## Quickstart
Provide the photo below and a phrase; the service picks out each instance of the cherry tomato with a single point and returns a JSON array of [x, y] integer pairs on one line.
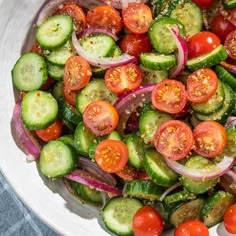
[[105, 16], [77, 73], [128, 173], [230, 219], [51, 132], [203, 3], [210, 138], [147, 221], [70, 95], [221, 26], [137, 17], [230, 44], [135, 44], [202, 43], [192, 228], [76, 13], [201, 85], [123, 78], [111, 155], [169, 96], [173, 139], [100, 117], [37, 49]]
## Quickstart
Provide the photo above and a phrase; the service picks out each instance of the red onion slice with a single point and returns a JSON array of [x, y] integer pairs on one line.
[[51, 7], [228, 181], [23, 138], [182, 53], [129, 102], [231, 122], [92, 30], [230, 67], [86, 164], [101, 61], [119, 4], [84, 177], [169, 190], [202, 174]]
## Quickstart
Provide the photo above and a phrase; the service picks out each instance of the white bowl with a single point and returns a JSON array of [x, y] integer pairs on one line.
[[48, 200]]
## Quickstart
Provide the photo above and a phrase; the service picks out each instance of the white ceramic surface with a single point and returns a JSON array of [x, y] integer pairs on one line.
[[52, 204]]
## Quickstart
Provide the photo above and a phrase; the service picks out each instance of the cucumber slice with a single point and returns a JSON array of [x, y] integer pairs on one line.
[[54, 32], [67, 139], [198, 186], [136, 151], [144, 189], [230, 148], [194, 120], [158, 170], [156, 61], [179, 196], [93, 91], [30, 72], [229, 3], [186, 211], [38, 109], [210, 59], [99, 45], [118, 214], [54, 71], [221, 114], [161, 37], [57, 159], [83, 139], [57, 90], [212, 104], [185, 13], [60, 55], [215, 206], [225, 76]]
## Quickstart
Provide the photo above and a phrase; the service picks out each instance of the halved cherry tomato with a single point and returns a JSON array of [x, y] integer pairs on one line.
[[77, 73], [111, 155], [37, 49], [174, 139], [201, 85], [169, 96], [203, 3], [51, 132], [105, 16], [100, 117], [123, 78], [76, 13], [221, 26], [230, 219], [210, 138], [135, 44], [192, 228], [128, 173], [230, 44], [202, 43], [137, 18], [147, 221], [70, 95]]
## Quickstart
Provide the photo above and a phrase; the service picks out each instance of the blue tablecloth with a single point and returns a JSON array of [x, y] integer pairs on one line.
[[15, 218]]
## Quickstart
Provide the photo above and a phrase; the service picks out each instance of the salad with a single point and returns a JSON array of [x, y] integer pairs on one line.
[[132, 104]]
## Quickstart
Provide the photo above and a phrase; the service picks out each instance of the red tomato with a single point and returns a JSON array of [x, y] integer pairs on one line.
[[203, 3], [192, 228], [77, 73], [202, 43], [230, 219], [221, 26], [105, 16], [210, 138], [137, 17], [48, 84], [100, 117], [230, 44], [169, 96], [123, 78], [37, 49], [147, 221], [173, 139], [201, 85], [70, 95], [135, 44], [52, 132], [111, 155], [128, 173], [76, 13]]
